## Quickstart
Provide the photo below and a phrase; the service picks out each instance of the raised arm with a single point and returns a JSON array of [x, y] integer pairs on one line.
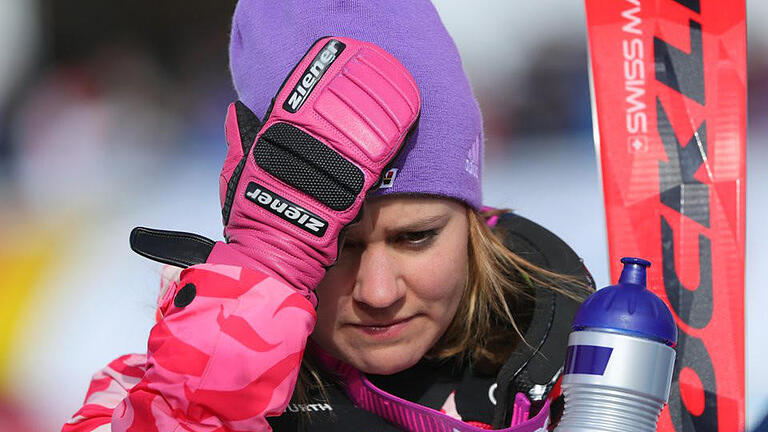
[[226, 352]]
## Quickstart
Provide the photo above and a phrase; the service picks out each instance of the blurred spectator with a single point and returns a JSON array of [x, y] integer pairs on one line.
[[14, 417], [556, 95], [126, 84]]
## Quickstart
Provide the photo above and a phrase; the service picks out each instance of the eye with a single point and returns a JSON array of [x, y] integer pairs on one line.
[[418, 238]]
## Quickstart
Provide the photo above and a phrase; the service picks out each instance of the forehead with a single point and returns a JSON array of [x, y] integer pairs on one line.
[[401, 212]]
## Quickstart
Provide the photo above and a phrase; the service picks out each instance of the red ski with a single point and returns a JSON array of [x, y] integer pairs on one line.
[[669, 104]]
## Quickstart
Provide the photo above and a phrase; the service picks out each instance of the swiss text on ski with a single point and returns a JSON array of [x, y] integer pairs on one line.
[[634, 70]]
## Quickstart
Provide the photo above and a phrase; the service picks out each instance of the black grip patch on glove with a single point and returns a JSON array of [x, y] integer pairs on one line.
[[249, 125], [305, 163], [180, 249]]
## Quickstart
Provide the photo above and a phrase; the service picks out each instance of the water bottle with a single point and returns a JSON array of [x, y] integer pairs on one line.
[[620, 357]]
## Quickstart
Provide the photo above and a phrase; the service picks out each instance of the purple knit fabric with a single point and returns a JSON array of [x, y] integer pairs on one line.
[[443, 157]]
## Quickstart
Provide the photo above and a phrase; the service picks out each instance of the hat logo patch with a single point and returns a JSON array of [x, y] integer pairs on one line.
[[388, 179], [472, 162]]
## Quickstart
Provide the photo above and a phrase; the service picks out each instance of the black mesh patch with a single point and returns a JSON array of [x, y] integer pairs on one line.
[[310, 166], [248, 124]]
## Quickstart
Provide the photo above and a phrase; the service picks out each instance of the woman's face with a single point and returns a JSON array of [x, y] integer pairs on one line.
[[397, 283]]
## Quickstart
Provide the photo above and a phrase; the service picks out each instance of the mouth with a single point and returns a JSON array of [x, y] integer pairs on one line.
[[383, 330]]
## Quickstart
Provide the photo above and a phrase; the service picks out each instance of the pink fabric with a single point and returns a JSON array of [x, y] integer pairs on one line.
[[224, 362], [362, 107], [229, 359], [108, 388], [522, 409], [493, 220]]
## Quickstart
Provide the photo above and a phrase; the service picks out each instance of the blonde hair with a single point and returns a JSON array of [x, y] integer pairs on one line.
[[484, 329]]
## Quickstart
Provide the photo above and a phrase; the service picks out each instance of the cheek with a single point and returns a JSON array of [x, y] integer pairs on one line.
[[334, 297], [438, 276], [331, 296]]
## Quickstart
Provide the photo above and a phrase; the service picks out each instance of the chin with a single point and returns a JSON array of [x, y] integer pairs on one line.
[[385, 361]]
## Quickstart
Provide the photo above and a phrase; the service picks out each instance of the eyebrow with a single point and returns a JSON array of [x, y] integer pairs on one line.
[[420, 225]]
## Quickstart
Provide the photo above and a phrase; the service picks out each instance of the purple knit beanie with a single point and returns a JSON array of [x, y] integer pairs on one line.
[[443, 157]]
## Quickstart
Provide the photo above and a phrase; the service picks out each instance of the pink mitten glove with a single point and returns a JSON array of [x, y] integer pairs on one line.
[[291, 184]]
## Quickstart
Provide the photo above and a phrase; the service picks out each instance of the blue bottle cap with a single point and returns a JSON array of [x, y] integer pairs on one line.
[[628, 307]]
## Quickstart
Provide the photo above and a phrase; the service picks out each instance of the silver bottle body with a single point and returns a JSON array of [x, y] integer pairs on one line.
[[627, 394]]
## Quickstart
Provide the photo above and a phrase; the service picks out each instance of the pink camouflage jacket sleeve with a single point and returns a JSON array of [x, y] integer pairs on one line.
[[223, 355]]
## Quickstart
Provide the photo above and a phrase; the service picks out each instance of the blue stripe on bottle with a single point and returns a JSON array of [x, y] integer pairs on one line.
[[587, 359]]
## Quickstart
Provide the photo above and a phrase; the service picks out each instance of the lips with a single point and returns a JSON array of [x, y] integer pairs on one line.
[[383, 324], [387, 329]]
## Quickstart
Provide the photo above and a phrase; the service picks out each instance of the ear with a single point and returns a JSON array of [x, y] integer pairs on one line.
[[240, 128]]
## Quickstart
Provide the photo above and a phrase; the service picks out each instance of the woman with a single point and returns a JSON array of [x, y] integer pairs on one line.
[[417, 322]]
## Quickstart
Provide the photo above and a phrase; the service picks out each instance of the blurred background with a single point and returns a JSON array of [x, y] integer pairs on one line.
[[111, 116]]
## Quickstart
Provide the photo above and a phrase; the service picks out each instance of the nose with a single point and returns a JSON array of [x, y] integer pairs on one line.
[[378, 283]]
